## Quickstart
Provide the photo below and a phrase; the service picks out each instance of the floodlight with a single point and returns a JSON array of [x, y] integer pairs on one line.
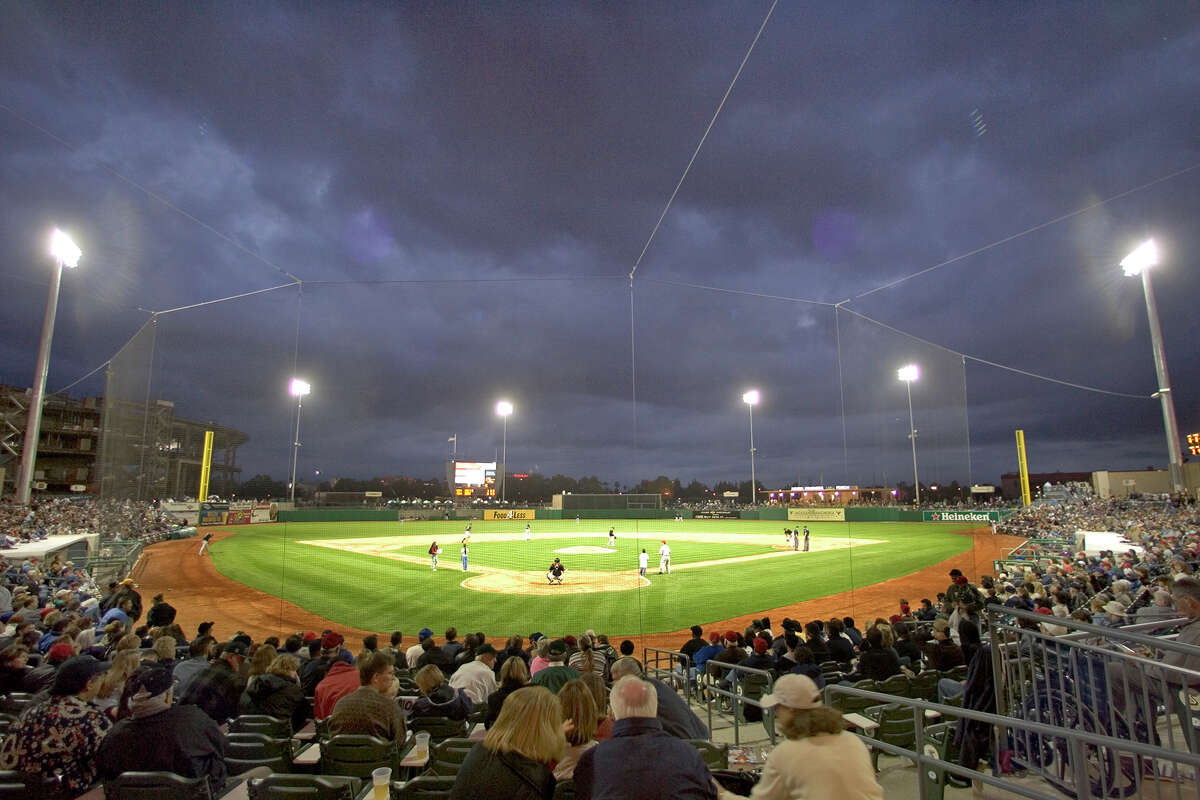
[[63, 249], [909, 373], [1144, 257], [299, 388], [751, 397], [504, 408]]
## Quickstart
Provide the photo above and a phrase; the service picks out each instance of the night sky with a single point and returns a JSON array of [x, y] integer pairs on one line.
[[462, 191]]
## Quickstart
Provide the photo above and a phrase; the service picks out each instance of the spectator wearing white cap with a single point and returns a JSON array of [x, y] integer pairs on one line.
[[819, 759]]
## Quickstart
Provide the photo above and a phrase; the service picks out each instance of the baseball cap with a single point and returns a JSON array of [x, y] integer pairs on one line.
[[760, 644], [237, 647], [424, 634], [60, 652], [714, 637], [954, 573], [309, 636], [731, 636], [73, 676], [153, 681], [1114, 607], [558, 647], [793, 691], [331, 641]]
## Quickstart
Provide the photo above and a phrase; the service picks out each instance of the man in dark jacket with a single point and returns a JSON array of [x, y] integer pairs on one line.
[[160, 737], [641, 759], [218, 689], [161, 613]]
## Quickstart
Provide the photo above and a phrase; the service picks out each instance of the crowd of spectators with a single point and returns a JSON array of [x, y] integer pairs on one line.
[[119, 685], [119, 520]]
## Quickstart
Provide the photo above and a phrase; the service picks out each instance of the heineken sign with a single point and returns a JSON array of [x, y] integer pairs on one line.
[[960, 516]]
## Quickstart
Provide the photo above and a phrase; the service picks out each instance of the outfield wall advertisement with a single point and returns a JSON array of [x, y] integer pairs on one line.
[[817, 514], [512, 513], [960, 516]]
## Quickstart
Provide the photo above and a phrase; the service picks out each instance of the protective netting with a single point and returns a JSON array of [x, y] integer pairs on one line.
[[832, 413]]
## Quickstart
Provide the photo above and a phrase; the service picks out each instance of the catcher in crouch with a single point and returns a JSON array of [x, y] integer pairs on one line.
[[555, 573]]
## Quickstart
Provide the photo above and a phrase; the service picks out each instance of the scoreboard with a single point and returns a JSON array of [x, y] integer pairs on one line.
[[474, 478], [1193, 440]]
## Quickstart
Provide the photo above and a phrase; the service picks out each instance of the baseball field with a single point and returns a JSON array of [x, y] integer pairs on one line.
[[379, 576]]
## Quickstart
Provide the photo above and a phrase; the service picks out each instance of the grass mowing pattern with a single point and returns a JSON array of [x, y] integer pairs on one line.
[[382, 594]]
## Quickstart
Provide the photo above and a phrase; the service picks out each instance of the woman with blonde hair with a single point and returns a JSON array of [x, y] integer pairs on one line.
[[163, 655], [438, 698], [264, 654], [579, 709], [819, 759], [124, 664], [277, 693], [542, 660], [514, 758]]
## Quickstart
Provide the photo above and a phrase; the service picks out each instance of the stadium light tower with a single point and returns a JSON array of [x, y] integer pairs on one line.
[[1136, 263], [908, 374], [504, 408], [297, 388], [66, 254], [751, 399]]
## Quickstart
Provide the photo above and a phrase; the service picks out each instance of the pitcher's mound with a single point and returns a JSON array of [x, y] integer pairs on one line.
[[574, 582]]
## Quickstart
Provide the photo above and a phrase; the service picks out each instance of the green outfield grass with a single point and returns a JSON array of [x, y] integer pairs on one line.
[[384, 594]]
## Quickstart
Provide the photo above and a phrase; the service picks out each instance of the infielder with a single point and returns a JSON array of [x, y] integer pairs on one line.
[[433, 554], [612, 538], [643, 560], [528, 533], [664, 558]]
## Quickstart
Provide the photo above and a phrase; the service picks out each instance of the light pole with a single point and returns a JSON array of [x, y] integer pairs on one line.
[[504, 408], [297, 388], [1138, 263], [908, 374], [751, 399], [66, 254]]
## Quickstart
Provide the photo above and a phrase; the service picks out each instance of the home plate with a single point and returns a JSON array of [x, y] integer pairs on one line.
[[583, 549]]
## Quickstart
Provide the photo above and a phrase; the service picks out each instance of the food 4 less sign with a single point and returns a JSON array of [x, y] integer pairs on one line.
[[960, 516]]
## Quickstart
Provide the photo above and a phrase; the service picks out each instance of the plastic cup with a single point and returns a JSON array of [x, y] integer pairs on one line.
[[380, 779], [423, 742]]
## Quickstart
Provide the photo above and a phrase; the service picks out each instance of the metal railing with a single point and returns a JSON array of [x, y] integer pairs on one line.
[[1074, 762], [715, 692], [1098, 680], [671, 667]]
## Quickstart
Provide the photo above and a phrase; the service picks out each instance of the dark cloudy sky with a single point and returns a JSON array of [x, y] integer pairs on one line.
[[463, 190]]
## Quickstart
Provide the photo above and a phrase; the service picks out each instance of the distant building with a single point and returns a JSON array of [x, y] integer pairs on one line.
[[1010, 482], [152, 455]]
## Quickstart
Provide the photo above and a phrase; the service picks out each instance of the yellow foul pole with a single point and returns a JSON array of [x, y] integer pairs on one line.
[[1024, 467]]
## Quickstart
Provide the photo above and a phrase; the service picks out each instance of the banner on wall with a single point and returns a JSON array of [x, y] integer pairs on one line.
[[263, 512], [238, 517], [817, 514], [718, 514], [213, 513], [960, 516], [512, 513]]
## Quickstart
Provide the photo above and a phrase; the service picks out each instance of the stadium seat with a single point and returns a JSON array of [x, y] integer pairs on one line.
[[716, 756], [853, 705], [447, 756], [439, 728], [18, 786], [358, 756], [245, 751], [432, 787], [273, 727], [14, 702], [304, 787], [156, 786], [924, 685], [897, 685], [897, 726], [940, 739]]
